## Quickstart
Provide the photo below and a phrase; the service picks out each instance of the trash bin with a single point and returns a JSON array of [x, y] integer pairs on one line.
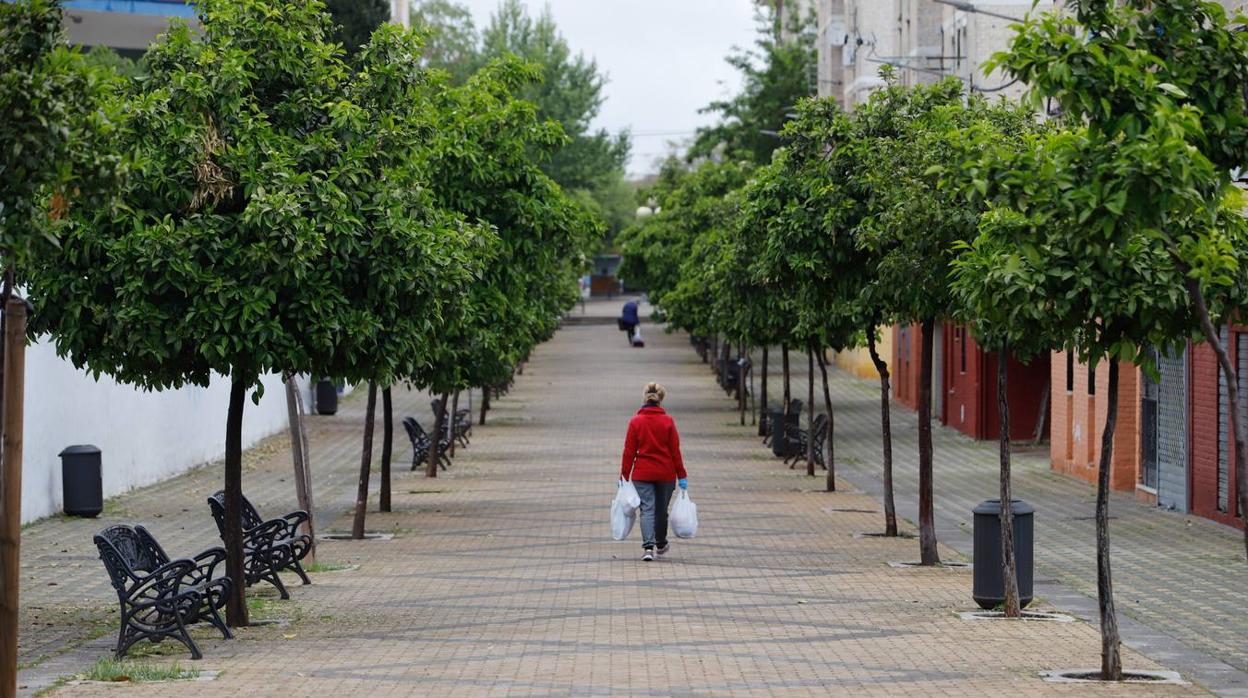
[[326, 397], [989, 585], [779, 444], [81, 481]]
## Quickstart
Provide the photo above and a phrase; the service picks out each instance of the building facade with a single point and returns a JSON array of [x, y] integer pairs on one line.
[[127, 26]]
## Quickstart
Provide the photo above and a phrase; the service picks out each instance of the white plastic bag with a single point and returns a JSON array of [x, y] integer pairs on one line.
[[624, 510], [684, 516]]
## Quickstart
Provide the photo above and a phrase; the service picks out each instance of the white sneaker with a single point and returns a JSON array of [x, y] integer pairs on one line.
[[647, 555], [664, 549]]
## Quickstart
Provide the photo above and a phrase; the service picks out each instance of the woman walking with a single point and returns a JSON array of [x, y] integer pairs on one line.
[[653, 462]]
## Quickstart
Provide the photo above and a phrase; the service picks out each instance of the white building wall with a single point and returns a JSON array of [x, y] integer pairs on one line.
[[144, 436]]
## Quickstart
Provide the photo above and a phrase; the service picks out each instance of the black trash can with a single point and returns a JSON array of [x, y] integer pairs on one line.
[[989, 587], [780, 446], [81, 481], [326, 397]]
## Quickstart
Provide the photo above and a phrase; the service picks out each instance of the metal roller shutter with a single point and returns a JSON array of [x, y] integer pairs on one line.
[[1172, 432]]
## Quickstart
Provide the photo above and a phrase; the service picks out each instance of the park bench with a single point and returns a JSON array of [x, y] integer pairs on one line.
[[799, 440], [421, 443], [269, 546], [160, 597], [795, 408]]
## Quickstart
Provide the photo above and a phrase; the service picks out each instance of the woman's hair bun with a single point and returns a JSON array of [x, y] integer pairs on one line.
[[654, 392]]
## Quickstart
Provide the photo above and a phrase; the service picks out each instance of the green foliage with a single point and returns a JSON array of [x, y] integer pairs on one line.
[[914, 225], [1094, 230], [451, 39], [659, 250], [777, 73], [570, 92], [107, 59], [356, 20], [55, 135], [480, 162], [273, 222]]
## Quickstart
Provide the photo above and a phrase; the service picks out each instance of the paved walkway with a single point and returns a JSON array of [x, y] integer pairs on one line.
[[1181, 577], [502, 578]]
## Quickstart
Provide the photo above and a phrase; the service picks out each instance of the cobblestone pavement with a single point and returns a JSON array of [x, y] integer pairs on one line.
[[501, 578], [1179, 575]]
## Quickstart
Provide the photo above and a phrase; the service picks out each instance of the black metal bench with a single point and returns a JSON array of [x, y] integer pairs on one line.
[[160, 597], [799, 440], [269, 546], [462, 426], [420, 441]]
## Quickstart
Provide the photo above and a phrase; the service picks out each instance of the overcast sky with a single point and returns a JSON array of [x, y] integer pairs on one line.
[[664, 59]]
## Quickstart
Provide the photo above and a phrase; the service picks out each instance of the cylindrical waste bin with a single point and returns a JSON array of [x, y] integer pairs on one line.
[[989, 585], [780, 446], [81, 481], [326, 397]]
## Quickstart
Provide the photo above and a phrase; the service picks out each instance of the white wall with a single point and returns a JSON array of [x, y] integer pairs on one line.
[[144, 436]]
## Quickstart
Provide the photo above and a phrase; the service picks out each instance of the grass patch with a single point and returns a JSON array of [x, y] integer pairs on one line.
[[329, 567], [112, 670]]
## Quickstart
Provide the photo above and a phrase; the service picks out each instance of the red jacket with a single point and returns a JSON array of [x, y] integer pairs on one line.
[[653, 440]]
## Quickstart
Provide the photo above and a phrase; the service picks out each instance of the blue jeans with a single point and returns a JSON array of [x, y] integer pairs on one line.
[[655, 496]]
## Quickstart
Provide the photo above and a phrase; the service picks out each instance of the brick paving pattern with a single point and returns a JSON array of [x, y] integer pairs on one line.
[[502, 578], [1179, 574]]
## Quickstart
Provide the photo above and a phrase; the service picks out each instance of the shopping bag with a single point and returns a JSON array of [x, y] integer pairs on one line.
[[624, 510], [684, 516]]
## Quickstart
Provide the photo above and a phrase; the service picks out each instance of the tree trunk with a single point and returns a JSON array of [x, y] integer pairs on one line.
[[387, 447], [762, 409], [11, 489], [927, 521], [810, 410], [1232, 395], [828, 440], [1111, 659], [236, 608], [485, 403], [450, 424], [784, 353], [886, 431], [366, 464], [300, 462], [741, 382], [310, 505], [436, 438], [1009, 570], [1042, 417]]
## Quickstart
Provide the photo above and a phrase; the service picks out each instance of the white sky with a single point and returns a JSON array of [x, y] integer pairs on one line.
[[664, 59]]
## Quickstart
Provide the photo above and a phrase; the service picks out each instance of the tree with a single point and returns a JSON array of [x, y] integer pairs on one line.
[[451, 38], [777, 73], [386, 133], [569, 91], [1122, 231], [910, 230], [239, 246], [484, 162], [57, 123], [356, 20], [1189, 60]]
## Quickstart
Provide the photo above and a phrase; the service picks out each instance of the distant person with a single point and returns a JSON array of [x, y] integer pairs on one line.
[[653, 462], [629, 321]]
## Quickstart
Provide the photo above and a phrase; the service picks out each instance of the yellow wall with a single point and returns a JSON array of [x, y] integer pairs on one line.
[[858, 361]]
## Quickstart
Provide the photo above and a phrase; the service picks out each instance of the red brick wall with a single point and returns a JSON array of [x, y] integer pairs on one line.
[[970, 399], [1204, 436], [1078, 419]]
